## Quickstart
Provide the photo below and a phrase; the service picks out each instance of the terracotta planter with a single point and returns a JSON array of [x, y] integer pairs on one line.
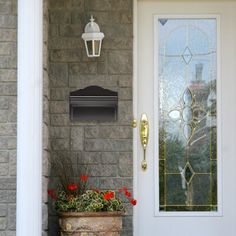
[[90, 223]]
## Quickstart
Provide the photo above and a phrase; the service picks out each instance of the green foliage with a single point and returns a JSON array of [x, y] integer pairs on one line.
[[90, 201]]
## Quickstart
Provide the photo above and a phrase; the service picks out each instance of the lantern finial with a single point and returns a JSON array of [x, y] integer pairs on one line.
[[91, 19]]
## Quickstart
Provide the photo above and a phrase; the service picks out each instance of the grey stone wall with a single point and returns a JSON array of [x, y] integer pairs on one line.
[[105, 147], [46, 120], [8, 89]]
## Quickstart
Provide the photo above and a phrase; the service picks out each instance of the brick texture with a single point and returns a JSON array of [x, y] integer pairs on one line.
[[7, 117], [106, 148], [46, 119]]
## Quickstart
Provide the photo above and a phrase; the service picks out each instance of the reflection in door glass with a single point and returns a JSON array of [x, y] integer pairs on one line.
[[187, 65]]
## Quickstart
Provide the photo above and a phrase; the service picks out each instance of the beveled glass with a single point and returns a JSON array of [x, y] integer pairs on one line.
[[187, 79]]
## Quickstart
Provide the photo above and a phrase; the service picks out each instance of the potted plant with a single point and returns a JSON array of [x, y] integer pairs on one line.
[[85, 211]]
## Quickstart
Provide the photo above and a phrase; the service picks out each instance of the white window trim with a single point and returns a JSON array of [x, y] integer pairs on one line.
[[29, 118]]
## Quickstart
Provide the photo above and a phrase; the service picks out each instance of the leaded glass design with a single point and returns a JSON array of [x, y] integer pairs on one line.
[[187, 114], [187, 55]]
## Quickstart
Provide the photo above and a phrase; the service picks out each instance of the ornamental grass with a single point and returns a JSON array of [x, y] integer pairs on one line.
[[74, 195]]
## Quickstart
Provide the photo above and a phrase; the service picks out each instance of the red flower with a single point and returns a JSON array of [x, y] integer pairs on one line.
[[51, 191], [84, 177], [133, 202], [125, 189], [72, 187], [108, 195], [52, 194], [112, 194], [127, 194]]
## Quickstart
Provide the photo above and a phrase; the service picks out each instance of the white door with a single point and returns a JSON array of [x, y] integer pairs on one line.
[[185, 82]]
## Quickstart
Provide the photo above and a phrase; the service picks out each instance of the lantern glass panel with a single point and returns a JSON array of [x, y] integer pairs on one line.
[[97, 47], [89, 45]]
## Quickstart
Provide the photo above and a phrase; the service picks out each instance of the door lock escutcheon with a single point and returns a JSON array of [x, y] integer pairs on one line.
[[144, 135]]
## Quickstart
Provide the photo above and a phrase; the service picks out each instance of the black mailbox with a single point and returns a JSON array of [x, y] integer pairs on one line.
[[93, 104]]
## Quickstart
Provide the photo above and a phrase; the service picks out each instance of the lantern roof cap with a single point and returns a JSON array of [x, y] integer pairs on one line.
[[92, 26]]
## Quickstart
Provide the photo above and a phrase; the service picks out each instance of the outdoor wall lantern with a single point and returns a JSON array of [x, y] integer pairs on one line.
[[92, 38]]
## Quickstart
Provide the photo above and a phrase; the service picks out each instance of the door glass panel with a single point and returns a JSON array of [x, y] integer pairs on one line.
[[187, 75]]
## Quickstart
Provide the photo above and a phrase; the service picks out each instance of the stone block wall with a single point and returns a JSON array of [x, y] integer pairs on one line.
[[46, 119], [8, 90], [105, 147]]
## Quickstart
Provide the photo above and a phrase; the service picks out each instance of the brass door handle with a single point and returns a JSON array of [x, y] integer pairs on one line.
[[144, 135]]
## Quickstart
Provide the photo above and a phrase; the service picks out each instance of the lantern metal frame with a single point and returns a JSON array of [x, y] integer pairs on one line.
[[92, 38]]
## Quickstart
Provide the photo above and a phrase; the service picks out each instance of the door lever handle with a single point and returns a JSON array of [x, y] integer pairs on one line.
[[144, 135]]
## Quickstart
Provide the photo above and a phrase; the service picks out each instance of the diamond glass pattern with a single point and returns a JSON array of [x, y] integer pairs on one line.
[[187, 66], [188, 173], [187, 55]]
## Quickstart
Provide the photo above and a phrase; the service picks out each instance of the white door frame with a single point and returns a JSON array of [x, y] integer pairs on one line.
[[29, 118]]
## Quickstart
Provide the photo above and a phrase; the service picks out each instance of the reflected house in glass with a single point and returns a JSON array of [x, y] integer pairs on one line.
[[187, 111]]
